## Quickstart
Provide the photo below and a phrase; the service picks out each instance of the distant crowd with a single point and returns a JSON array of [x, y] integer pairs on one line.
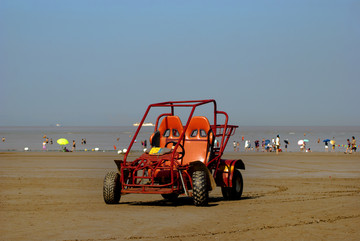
[[266, 145], [274, 145], [64, 149]]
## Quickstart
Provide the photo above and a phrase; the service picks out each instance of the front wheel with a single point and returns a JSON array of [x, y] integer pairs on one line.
[[234, 192], [112, 188], [200, 190]]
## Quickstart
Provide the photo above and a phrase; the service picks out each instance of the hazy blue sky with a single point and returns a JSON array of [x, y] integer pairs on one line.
[[102, 62]]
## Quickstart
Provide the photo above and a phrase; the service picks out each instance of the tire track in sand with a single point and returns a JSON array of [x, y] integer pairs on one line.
[[234, 231]]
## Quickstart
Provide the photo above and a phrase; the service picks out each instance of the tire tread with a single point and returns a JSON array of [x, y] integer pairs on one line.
[[200, 191], [111, 188]]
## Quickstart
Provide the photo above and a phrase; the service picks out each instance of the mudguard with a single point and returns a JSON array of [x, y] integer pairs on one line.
[[118, 164], [200, 166], [226, 170]]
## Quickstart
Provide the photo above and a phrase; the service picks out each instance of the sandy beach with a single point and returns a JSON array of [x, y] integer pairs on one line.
[[291, 196]]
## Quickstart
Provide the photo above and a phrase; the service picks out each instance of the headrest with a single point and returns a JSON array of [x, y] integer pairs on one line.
[[199, 127], [171, 122]]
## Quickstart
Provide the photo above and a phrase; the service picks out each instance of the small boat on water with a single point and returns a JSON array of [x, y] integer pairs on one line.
[[144, 124]]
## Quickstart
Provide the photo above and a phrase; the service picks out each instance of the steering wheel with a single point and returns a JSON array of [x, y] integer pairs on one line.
[[181, 153]]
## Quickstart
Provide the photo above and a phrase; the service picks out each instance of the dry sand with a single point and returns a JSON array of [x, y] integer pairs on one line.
[[292, 196]]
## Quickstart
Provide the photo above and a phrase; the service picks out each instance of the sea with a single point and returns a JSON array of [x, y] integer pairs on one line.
[[114, 138]]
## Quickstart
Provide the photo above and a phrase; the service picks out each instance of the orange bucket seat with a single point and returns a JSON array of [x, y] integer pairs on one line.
[[197, 140], [170, 129]]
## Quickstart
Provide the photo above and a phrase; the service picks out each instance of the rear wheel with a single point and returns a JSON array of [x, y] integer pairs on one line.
[[112, 188], [234, 192], [200, 190]]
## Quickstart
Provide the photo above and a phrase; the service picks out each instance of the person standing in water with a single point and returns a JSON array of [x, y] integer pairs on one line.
[[277, 144], [332, 142], [326, 146], [286, 144], [353, 145], [348, 148], [73, 146]]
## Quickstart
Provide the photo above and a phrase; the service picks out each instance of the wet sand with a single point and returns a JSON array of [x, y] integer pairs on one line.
[[291, 196]]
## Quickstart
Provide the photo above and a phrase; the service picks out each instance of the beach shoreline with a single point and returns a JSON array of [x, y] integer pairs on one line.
[[111, 138], [58, 196]]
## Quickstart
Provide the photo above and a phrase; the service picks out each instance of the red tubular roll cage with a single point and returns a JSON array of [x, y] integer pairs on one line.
[[224, 130]]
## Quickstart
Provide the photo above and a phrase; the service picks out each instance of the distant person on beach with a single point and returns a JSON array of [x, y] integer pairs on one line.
[[257, 144], [303, 146], [247, 145], [3, 139], [348, 148], [51, 141], [333, 144], [44, 145], [326, 146], [286, 144], [84, 141], [65, 149], [73, 146], [353, 145], [234, 145], [47, 140], [263, 145], [273, 144], [277, 144]]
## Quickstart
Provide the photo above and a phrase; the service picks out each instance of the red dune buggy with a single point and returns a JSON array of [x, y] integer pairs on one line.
[[184, 159]]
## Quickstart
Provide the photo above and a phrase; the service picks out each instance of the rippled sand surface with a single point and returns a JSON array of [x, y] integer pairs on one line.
[[291, 196]]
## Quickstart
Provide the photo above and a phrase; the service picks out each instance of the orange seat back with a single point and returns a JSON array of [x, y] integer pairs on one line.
[[197, 142], [170, 129]]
